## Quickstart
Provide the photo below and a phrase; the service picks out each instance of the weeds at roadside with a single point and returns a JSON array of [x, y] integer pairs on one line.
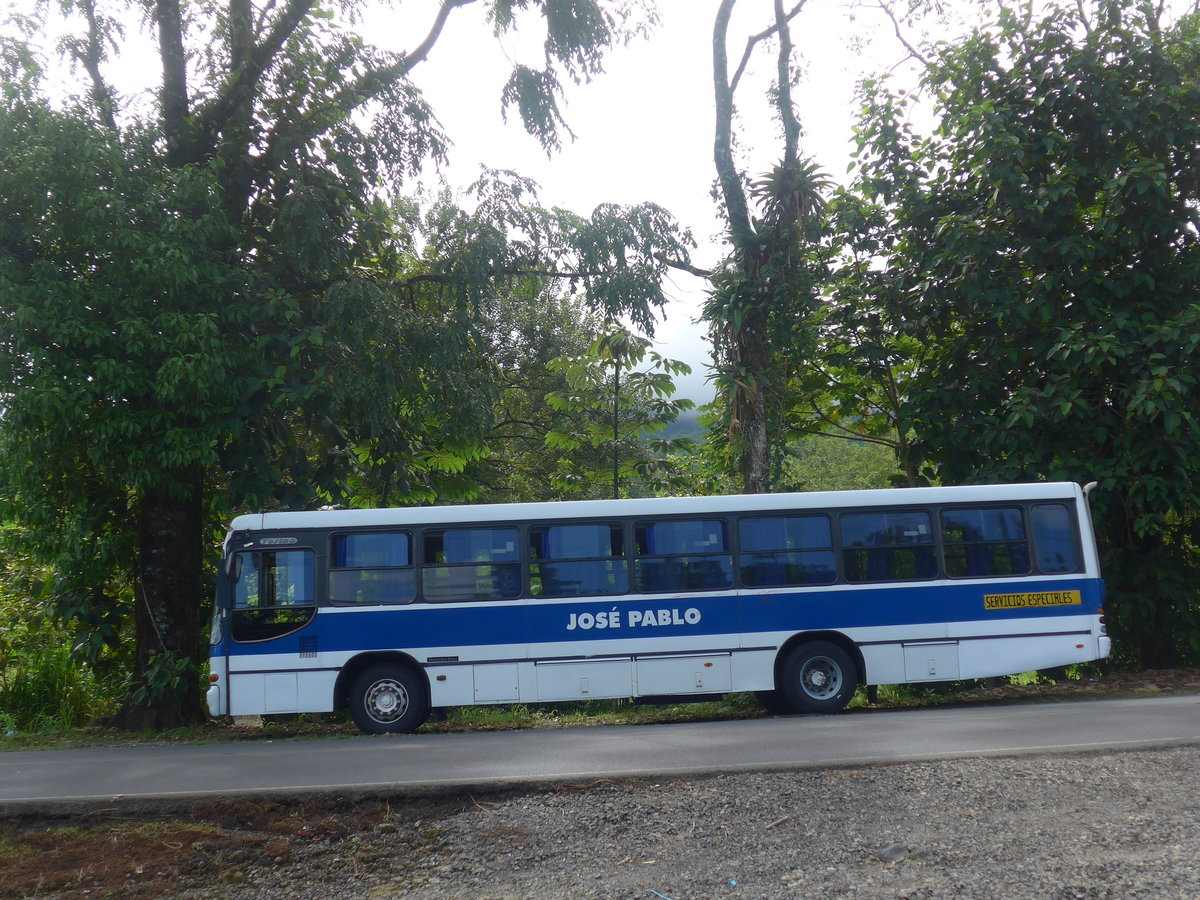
[[103, 855]]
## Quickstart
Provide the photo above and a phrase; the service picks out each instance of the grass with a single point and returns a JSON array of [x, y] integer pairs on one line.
[[51, 691], [591, 713]]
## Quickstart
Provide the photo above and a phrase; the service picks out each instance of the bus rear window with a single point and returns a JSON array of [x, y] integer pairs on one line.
[[1054, 539]]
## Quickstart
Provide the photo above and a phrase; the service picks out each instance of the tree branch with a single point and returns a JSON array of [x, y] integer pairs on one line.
[[377, 80], [434, 278], [173, 59], [844, 433], [731, 185], [101, 93], [256, 60], [787, 117], [753, 41], [683, 266], [913, 51], [240, 89], [419, 54]]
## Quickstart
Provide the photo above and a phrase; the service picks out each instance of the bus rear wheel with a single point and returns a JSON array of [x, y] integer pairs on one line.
[[388, 699], [818, 677]]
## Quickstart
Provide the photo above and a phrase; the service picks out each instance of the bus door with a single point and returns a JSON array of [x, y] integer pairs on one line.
[[271, 641]]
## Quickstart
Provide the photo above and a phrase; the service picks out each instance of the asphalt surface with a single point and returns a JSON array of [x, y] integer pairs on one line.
[[49, 780]]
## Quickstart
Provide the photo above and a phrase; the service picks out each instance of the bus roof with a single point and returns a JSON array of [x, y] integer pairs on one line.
[[655, 506]]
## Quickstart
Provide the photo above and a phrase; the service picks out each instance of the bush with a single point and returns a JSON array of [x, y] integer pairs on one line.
[[44, 686]]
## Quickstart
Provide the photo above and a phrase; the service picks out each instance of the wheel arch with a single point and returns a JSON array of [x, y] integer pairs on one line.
[[356, 665], [833, 637]]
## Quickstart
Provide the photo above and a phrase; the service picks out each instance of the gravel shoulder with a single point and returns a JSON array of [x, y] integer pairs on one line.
[[1103, 825], [1094, 825]]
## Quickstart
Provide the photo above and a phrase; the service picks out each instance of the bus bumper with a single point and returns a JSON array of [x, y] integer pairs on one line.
[[1104, 647], [213, 699]]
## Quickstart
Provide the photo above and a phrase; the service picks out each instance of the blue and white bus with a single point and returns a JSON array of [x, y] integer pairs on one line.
[[801, 597]]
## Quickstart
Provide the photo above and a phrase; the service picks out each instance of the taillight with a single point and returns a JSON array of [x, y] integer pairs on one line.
[[1103, 621]]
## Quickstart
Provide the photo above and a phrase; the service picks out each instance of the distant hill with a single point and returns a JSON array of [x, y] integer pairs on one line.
[[686, 426]]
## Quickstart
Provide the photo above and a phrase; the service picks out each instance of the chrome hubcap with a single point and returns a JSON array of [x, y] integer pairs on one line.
[[387, 700], [821, 678]]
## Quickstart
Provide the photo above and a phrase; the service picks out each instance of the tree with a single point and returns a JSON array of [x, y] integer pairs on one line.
[[816, 463], [216, 303], [1045, 253], [524, 331], [614, 409], [853, 385], [765, 288]]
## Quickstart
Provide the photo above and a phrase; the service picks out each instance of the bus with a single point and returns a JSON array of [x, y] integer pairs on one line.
[[801, 597]]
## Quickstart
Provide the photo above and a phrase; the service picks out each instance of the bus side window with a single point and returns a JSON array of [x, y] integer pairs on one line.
[[887, 546], [273, 595], [984, 542], [463, 564], [683, 555], [786, 550], [577, 560], [1054, 538], [372, 568]]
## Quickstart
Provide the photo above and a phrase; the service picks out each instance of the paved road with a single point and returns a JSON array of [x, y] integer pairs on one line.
[[35, 780]]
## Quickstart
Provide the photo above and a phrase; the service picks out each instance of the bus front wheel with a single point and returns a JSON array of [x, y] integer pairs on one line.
[[388, 699], [818, 677]]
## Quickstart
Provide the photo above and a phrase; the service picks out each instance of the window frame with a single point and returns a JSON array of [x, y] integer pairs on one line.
[[933, 545], [333, 568], [618, 536], [741, 554], [240, 616], [1027, 540], [727, 552], [520, 562]]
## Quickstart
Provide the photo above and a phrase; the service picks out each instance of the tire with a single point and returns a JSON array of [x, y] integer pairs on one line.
[[818, 677], [388, 699]]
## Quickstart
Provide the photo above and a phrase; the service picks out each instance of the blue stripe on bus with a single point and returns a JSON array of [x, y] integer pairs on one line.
[[671, 616]]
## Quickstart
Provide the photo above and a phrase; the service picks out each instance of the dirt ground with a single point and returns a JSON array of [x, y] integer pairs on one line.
[[111, 853]]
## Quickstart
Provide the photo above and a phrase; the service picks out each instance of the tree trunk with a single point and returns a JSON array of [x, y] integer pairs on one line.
[[169, 599], [753, 354]]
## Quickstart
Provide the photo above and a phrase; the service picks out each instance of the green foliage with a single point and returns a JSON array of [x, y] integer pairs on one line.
[[578, 34], [862, 360], [817, 463], [791, 193], [47, 682], [523, 330], [616, 408], [220, 304], [760, 313], [1042, 249], [48, 689], [164, 675]]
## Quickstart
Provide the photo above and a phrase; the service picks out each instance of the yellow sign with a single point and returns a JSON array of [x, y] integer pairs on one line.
[[1027, 601]]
